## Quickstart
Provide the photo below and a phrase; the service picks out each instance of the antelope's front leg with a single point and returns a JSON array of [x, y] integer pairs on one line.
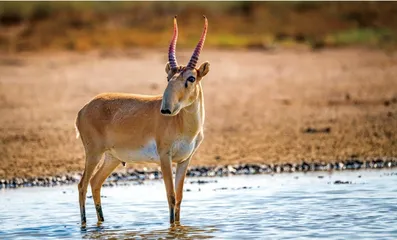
[[179, 181], [166, 169]]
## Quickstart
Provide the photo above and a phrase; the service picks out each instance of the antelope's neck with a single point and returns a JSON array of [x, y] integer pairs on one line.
[[193, 116]]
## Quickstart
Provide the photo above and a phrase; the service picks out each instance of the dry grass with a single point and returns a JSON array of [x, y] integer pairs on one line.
[[258, 105], [84, 26]]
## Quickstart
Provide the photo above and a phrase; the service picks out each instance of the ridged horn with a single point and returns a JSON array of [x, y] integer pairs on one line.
[[193, 61], [171, 49]]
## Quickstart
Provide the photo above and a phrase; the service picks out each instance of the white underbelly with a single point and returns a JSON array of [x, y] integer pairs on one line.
[[182, 149], [147, 153]]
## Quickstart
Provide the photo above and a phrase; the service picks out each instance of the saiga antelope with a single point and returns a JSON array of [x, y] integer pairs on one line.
[[135, 128]]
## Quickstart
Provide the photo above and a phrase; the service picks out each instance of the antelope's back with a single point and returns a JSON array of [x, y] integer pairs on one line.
[[113, 115]]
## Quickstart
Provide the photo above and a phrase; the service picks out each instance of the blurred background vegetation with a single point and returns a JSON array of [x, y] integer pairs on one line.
[[83, 26]]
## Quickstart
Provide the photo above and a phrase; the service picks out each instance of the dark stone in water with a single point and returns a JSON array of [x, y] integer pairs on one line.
[[342, 182], [203, 182], [101, 196]]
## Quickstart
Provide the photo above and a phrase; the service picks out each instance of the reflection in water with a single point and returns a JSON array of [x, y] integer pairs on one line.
[[284, 206], [173, 232]]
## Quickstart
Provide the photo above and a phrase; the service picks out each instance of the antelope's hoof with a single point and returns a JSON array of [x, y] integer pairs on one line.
[[83, 225]]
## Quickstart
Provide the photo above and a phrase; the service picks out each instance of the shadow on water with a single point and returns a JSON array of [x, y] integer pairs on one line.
[[173, 232]]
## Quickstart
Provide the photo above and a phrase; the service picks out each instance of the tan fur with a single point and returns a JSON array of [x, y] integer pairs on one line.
[[114, 121]]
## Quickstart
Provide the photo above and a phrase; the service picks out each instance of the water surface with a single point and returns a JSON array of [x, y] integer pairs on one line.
[[283, 206]]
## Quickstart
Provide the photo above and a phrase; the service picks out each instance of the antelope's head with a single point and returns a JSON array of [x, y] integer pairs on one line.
[[183, 81]]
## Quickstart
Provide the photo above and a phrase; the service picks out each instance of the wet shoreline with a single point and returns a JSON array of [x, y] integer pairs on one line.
[[138, 176]]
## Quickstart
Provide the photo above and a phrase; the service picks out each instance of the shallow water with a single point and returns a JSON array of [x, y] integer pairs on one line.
[[283, 206]]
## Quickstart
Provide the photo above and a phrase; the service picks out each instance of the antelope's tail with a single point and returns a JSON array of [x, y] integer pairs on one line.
[[75, 126], [77, 131]]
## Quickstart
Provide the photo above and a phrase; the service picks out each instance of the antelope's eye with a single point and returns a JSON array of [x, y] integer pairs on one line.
[[191, 79]]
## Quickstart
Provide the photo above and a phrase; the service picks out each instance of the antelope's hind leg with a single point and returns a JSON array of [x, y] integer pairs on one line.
[[109, 164], [92, 160]]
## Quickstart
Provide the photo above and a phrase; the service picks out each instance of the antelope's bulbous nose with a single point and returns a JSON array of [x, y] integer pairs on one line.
[[165, 111]]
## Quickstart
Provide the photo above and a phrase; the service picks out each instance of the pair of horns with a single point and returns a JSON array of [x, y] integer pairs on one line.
[[193, 60]]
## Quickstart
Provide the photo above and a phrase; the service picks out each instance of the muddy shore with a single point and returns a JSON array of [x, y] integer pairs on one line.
[[263, 108]]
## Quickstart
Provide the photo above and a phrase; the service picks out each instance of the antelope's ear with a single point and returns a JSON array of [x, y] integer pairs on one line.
[[203, 69], [167, 67]]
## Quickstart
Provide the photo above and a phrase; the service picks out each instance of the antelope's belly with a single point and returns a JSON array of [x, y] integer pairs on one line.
[[146, 153]]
